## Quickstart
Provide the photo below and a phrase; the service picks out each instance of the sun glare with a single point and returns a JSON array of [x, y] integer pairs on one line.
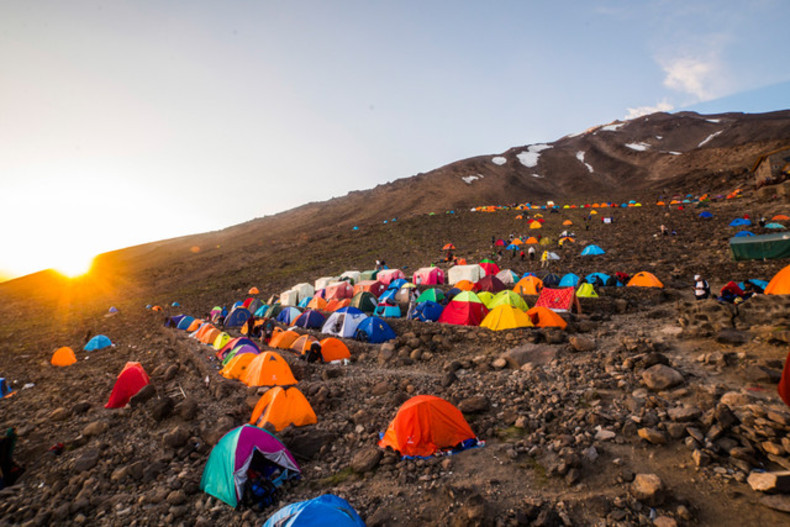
[[75, 265]]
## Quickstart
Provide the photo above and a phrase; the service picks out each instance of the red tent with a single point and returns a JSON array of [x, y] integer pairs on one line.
[[490, 283], [129, 382], [561, 300], [465, 309]]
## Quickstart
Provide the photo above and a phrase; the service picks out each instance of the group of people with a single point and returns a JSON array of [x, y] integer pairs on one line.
[[731, 292]]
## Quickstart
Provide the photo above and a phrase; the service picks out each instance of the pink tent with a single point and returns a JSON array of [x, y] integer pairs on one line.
[[388, 275], [428, 276]]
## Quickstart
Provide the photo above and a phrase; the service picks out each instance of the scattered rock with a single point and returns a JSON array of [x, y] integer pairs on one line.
[[651, 435], [649, 489], [582, 344], [661, 377], [95, 428], [146, 392], [87, 460], [474, 404], [176, 438], [770, 481], [366, 460]]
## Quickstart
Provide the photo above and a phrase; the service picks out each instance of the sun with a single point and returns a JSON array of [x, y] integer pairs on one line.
[[73, 265]]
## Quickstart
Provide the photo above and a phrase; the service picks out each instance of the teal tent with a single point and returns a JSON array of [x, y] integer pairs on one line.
[[762, 247]]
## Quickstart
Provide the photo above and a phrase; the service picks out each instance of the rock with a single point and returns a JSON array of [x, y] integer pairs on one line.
[[80, 407], [176, 497], [665, 521], [648, 488], [529, 354], [161, 409], [604, 435], [725, 417], [473, 405], [582, 344], [661, 377], [733, 337], [366, 460], [146, 392], [386, 352], [59, 414], [95, 428], [87, 460], [700, 458], [772, 448], [176, 438], [448, 379], [381, 388], [187, 409], [684, 414], [307, 444], [734, 399], [119, 474], [499, 364], [651, 435], [770, 481]]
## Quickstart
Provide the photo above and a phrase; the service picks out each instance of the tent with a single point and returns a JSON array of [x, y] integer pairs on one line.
[[370, 286], [387, 311], [343, 322], [236, 318], [234, 343], [600, 278], [432, 295], [780, 283], [244, 448], [529, 285], [428, 276], [781, 217], [507, 277], [333, 349], [774, 225], [568, 280], [543, 317], [253, 291], [386, 276], [243, 349], [98, 342], [220, 341], [334, 305], [644, 279], [504, 316], [465, 285], [489, 267], [490, 283], [464, 309], [426, 425], [427, 311], [351, 276], [303, 343], [288, 315], [324, 281], [338, 291], [304, 290], [130, 381], [316, 303], [592, 250], [365, 302], [740, 222], [705, 214], [194, 325], [63, 357], [549, 280], [310, 319], [326, 510], [508, 298], [560, 300], [268, 369], [762, 247], [586, 290], [741, 234], [473, 273], [236, 367], [283, 339], [282, 407], [486, 298], [5, 389], [374, 330]]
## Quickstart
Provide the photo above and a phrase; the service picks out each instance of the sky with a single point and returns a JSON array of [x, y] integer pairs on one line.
[[125, 122]]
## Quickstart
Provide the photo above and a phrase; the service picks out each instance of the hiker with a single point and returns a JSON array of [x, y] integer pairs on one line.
[[701, 288], [544, 259], [412, 303], [268, 331], [248, 325], [762, 221], [523, 256], [9, 471], [313, 354], [531, 251], [663, 229]]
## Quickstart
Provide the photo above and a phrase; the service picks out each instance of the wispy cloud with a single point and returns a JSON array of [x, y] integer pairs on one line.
[[693, 76], [662, 106]]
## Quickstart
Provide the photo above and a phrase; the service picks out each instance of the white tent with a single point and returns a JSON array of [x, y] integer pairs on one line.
[[473, 273], [289, 298], [304, 290], [324, 281], [342, 323], [353, 275]]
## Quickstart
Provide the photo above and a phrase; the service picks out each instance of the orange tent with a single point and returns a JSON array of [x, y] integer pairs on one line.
[[334, 349], [334, 305], [531, 240], [283, 340], [424, 425], [210, 336], [63, 357], [660, 203], [157, 308], [780, 283], [236, 368], [460, 261], [195, 325], [529, 285], [256, 323], [535, 225], [517, 241], [253, 291], [567, 222], [316, 303], [448, 247], [780, 217], [303, 343], [465, 285], [203, 330], [281, 407], [268, 369], [543, 317], [644, 279]]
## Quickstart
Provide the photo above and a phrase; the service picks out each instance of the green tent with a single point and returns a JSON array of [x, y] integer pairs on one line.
[[365, 302], [510, 298], [433, 295], [763, 247], [368, 275], [586, 290]]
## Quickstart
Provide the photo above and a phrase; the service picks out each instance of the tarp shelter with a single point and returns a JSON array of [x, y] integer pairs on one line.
[[592, 250], [386, 276], [374, 330], [762, 247], [464, 309], [333, 349], [780, 283], [63, 357], [427, 311], [310, 319], [543, 317], [560, 300], [472, 272], [428, 276], [327, 510], [268, 369], [130, 381], [644, 279], [425, 425], [504, 317], [237, 318], [529, 285], [241, 449], [282, 407], [98, 342], [586, 290], [343, 322]]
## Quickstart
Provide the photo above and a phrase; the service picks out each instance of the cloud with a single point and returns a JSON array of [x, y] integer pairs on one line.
[[662, 106], [691, 75]]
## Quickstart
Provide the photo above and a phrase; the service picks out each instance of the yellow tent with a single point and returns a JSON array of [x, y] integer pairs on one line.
[[505, 317], [586, 290], [535, 225], [221, 340]]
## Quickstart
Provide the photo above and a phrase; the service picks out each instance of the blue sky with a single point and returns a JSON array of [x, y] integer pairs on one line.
[[128, 122]]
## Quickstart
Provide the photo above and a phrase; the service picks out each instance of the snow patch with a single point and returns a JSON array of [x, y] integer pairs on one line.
[[469, 179], [674, 153], [530, 157], [580, 157], [641, 147], [499, 160], [611, 127], [711, 136], [538, 176], [713, 120], [659, 137]]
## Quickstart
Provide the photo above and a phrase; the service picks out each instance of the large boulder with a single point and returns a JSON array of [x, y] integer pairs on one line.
[[661, 377]]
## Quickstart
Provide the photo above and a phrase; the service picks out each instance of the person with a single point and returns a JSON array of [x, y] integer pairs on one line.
[[313, 354], [523, 256], [544, 259], [248, 325], [378, 265], [418, 280], [762, 221], [268, 331], [701, 288], [9, 470], [664, 230], [412, 302], [531, 252]]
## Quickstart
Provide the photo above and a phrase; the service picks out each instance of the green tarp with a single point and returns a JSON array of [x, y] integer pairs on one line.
[[765, 246]]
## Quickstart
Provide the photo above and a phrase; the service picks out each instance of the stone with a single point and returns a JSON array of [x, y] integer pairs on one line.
[[770, 481], [448, 379], [80, 407], [176, 438], [604, 435], [582, 344], [651, 435], [772, 448], [95, 428], [59, 414], [725, 417], [176, 497], [161, 409], [684, 414], [87, 460], [779, 502], [146, 392], [665, 521], [474, 404], [733, 337], [499, 364], [187, 409], [661, 377], [700, 458], [366, 460], [381, 388], [649, 489], [735, 399]]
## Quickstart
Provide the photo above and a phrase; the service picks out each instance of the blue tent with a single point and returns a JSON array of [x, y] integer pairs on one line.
[[741, 234], [762, 284], [427, 311], [397, 284], [350, 309], [383, 310], [740, 222], [98, 342], [288, 315], [569, 280], [113, 309], [5, 389], [511, 247], [148, 306], [592, 250], [389, 294], [175, 304], [592, 276], [310, 319], [374, 330], [261, 312], [237, 304], [452, 292], [551, 280], [185, 322], [774, 226], [237, 318], [705, 214], [306, 300]]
